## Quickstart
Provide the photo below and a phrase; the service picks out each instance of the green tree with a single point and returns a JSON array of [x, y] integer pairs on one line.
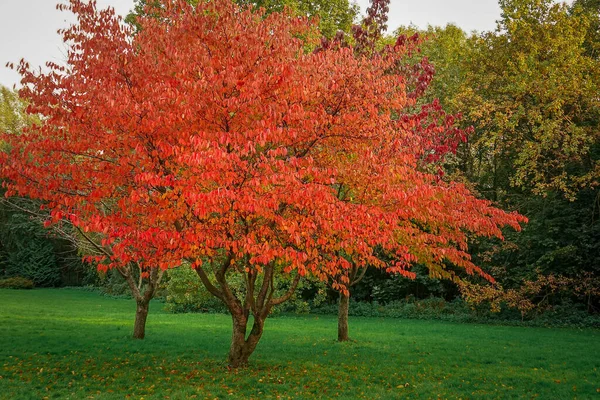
[[446, 48], [531, 92], [592, 9], [25, 249], [13, 117]]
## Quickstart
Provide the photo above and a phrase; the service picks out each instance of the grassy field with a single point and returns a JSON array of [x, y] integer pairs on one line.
[[75, 344]]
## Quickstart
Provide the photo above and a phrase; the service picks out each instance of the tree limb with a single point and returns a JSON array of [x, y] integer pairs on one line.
[[289, 293], [208, 284], [361, 276]]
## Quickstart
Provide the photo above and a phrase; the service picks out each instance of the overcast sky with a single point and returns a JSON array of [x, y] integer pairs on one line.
[[28, 28]]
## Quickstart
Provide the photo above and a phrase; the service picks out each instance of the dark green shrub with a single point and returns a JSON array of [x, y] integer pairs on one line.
[[111, 283], [389, 288], [568, 314], [16, 282], [35, 261], [308, 295], [26, 249]]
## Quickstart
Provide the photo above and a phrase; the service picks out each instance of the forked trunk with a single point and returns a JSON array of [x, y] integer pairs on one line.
[[142, 298], [141, 314], [343, 318], [242, 347], [258, 300]]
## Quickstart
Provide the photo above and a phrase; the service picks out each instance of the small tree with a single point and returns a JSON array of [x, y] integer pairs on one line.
[[143, 282], [432, 131], [30, 254], [32, 259], [212, 136]]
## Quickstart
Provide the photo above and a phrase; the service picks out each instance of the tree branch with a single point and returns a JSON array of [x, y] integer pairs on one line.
[[229, 298], [362, 275], [288, 294], [94, 244], [267, 279], [208, 284]]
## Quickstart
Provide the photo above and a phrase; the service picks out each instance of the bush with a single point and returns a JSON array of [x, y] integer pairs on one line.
[[26, 250], [186, 293], [16, 282], [533, 298], [310, 293], [568, 314], [112, 284], [388, 288], [35, 261]]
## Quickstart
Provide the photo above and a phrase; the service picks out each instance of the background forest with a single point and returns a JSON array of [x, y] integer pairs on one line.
[[528, 94]]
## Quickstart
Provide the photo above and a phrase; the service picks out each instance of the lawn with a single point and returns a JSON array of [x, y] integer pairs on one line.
[[74, 344]]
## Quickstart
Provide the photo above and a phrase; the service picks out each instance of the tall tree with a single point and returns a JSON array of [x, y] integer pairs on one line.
[[592, 9], [212, 136], [531, 93], [512, 82]]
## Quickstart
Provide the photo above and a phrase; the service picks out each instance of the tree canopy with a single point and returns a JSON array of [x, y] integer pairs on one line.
[[333, 15], [534, 102]]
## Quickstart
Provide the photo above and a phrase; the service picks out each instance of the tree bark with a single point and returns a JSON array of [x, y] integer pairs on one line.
[[343, 318], [141, 314], [241, 347], [355, 275]]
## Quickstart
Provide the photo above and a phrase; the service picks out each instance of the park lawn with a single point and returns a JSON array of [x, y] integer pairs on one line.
[[61, 343]]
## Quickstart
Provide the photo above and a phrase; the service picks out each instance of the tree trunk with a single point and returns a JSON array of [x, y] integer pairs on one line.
[[343, 318], [141, 314], [241, 347], [260, 304]]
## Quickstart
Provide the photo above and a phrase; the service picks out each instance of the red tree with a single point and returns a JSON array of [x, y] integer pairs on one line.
[[428, 123], [212, 136]]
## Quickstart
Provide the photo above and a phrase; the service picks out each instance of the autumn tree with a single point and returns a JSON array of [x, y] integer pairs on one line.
[[212, 136], [28, 250], [476, 75], [422, 114], [143, 281]]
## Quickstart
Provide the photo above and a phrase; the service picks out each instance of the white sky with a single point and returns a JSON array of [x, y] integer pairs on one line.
[[28, 27], [28, 30]]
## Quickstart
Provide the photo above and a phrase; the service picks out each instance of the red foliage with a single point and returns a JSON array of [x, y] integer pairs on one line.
[[213, 134]]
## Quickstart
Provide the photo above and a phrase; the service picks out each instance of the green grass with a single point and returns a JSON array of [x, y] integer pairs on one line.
[[76, 344]]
